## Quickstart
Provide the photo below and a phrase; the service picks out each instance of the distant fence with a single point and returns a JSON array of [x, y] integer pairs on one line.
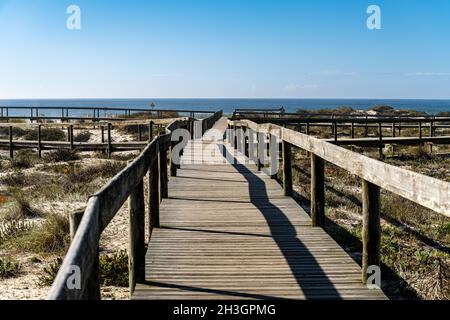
[[82, 258], [36, 114], [426, 191], [106, 143]]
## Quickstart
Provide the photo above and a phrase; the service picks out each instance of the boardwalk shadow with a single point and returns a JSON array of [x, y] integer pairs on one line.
[[308, 273]]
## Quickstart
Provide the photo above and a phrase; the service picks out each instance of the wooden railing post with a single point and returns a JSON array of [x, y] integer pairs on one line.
[[103, 133], [371, 232], [380, 141], [173, 166], [150, 131], [39, 142], [287, 169], [153, 190], [75, 218], [136, 259], [420, 136], [260, 150], [68, 133], [335, 133], [366, 128], [109, 140], [317, 191], [163, 174], [245, 141], [139, 133], [274, 148], [11, 148], [71, 137]]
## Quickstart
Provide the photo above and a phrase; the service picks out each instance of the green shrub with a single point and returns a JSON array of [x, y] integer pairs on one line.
[[17, 132], [50, 272], [24, 159], [62, 155], [8, 268], [47, 134], [83, 136], [113, 270]]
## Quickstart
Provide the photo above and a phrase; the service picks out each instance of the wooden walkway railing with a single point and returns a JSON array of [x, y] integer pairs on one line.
[[426, 191], [107, 144], [91, 113], [82, 258]]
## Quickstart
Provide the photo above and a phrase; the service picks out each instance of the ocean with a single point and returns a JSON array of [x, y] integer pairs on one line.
[[229, 105]]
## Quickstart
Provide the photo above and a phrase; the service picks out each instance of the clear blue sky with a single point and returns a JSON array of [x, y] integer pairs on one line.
[[224, 49]]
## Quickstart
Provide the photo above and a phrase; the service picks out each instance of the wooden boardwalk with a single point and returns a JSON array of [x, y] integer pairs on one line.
[[228, 232]]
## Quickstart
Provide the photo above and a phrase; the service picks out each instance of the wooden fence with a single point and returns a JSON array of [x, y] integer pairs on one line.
[[105, 128], [426, 191], [91, 113], [82, 260]]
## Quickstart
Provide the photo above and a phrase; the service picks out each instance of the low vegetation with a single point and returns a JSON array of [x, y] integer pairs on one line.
[[8, 268], [113, 270]]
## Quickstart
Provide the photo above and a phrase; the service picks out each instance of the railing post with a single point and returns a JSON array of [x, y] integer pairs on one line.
[[139, 133], [393, 129], [173, 166], [153, 190], [11, 149], [75, 218], [109, 140], [245, 141], [420, 136], [150, 131], [366, 128], [371, 232], [103, 133], [352, 130], [136, 259], [317, 191], [287, 169], [274, 156], [163, 175], [39, 142], [235, 138], [380, 141], [71, 137], [335, 135], [260, 150]]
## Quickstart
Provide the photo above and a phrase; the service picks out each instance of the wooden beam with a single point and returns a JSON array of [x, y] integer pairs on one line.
[[136, 250], [11, 148], [371, 232], [287, 169], [154, 198], [317, 191]]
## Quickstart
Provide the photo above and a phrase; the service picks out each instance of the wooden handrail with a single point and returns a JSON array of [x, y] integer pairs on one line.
[[82, 257], [426, 191]]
